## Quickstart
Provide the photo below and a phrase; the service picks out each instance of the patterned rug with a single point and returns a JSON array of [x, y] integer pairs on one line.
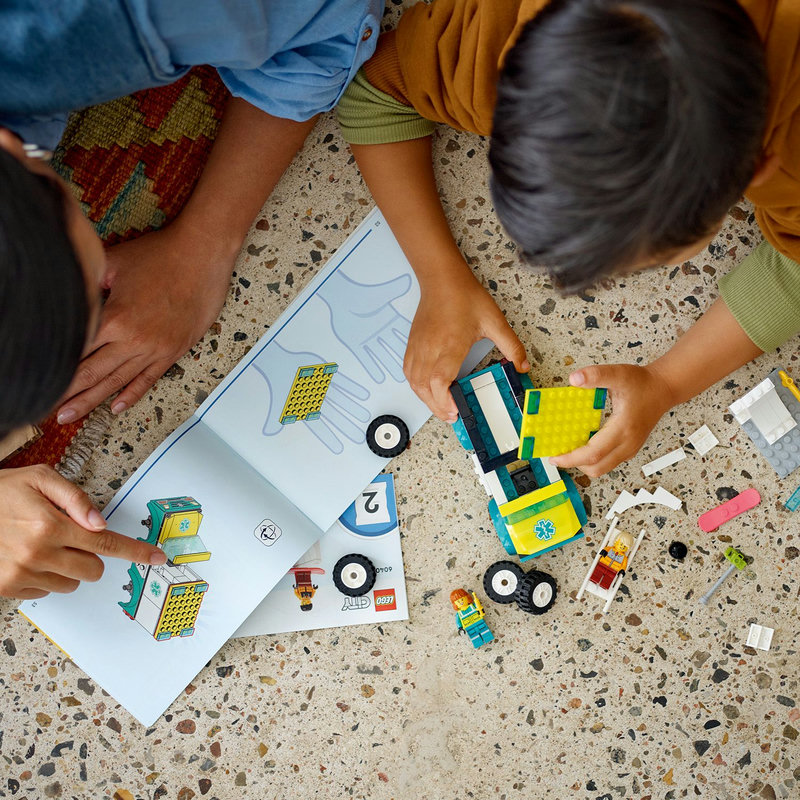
[[132, 163]]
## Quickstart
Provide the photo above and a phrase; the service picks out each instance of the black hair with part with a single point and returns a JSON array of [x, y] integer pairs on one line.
[[44, 309], [624, 130]]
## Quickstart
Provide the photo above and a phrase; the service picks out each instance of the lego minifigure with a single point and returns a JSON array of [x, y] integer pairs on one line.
[[614, 561], [470, 617]]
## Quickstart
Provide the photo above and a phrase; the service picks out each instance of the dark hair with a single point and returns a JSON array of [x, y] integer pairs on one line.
[[625, 129], [44, 309]]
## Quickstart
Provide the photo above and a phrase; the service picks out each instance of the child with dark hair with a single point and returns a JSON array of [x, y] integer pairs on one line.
[[284, 63], [621, 133]]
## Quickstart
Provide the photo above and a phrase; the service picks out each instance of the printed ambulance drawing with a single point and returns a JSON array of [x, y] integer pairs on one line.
[[165, 600]]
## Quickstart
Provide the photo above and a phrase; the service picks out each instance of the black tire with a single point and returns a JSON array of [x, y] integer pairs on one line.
[[501, 581], [537, 592], [387, 436], [354, 575]]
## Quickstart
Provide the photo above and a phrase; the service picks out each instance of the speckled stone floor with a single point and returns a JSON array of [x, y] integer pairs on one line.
[[659, 699]]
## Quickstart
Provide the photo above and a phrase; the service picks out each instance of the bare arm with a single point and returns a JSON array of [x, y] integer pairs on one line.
[[712, 348], [168, 286], [455, 310]]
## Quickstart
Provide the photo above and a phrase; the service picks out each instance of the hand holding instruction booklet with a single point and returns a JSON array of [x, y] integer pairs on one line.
[[240, 491]]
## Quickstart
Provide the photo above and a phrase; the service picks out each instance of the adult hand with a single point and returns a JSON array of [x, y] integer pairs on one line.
[[449, 320], [43, 549], [166, 289], [640, 397]]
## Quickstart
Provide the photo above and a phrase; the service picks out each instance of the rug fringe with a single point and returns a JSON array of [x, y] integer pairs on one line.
[[82, 447]]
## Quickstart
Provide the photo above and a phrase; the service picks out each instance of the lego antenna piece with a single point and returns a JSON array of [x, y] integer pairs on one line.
[[712, 519], [737, 562], [307, 393], [557, 420]]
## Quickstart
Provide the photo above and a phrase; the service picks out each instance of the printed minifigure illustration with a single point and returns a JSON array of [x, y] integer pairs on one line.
[[470, 617], [533, 506], [610, 565], [304, 586], [555, 421], [165, 600], [307, 393]]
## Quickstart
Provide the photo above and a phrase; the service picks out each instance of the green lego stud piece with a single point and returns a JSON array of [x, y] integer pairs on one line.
[[559, 419]]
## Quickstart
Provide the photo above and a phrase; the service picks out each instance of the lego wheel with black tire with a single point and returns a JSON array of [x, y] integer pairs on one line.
[[387, 436], [501, 581], [536, 592], [354, 575]]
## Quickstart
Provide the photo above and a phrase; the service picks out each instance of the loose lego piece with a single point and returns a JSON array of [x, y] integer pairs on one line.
[[557, 420], [789, 384], [534, 592], [712, 519], [678, 550], [664, 461], [703, 440], [626, 500], [784, 453], [760, 637], [610, 565], [767, 411], [793, 503], [307, 393], [470, 617], [737, 563]]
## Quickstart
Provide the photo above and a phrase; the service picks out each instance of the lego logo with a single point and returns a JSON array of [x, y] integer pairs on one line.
[[385, 600]]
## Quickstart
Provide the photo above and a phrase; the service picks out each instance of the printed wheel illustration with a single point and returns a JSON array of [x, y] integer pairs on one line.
[[387, 436], [536, 592], [501, 580], [354, 575]]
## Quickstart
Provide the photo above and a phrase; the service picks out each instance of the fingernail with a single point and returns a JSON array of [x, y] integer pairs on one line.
[[96, 519], [526, 366], [577, 379], [118, 408], [67, 415], [158, 558]]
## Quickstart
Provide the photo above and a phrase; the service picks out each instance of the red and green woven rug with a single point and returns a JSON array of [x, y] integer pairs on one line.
[[132, 163]]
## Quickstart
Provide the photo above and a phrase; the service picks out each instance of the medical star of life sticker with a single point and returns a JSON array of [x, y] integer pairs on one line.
[[385, 599]]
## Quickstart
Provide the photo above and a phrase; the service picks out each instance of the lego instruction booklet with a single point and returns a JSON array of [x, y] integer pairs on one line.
[[245, 487]]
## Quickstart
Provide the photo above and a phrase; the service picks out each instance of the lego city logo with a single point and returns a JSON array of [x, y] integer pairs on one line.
[[267, 532], [355, 603], [385, 599]]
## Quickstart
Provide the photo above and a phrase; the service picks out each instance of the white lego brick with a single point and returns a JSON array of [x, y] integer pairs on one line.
[[642, 496], [624, 501], [741, 407], [760, 636], [551, 470], [490, 482], [771, 416], [485, 379], [703, 440], [664, 498], [496, 414], [664, 461]]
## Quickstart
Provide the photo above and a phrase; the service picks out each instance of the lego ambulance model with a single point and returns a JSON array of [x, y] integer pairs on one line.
[[165, 599], [534, 507]]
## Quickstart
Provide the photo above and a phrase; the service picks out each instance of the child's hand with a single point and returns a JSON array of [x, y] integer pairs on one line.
[[449, 320], [640, 396], [166, 290]]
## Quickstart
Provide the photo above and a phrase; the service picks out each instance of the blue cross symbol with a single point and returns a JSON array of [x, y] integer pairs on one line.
[[185, 525], [545, 529]]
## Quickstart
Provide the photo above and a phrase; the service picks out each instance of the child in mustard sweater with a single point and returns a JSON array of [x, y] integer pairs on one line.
[[621, 134]]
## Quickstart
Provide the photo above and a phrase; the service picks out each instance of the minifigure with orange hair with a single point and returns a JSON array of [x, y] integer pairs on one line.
[[470, 617]]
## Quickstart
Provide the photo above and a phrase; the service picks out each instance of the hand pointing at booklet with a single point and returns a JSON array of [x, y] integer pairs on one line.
[[45, 550]]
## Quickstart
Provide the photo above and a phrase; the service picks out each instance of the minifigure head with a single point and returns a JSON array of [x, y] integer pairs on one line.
[[460, 599], [623, 542]]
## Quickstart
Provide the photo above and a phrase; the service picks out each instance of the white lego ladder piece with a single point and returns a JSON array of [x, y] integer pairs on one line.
[[664, 461], [494, 410]]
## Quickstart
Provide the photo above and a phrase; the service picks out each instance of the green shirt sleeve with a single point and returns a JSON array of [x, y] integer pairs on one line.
[[369, 116], [763, 294]]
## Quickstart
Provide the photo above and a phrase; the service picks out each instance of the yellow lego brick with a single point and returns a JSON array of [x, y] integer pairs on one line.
[[545, 530], [532, 498], [557, 420], [307, 392]]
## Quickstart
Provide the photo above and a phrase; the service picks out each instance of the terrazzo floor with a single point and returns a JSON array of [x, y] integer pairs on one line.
[[659, 699]]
